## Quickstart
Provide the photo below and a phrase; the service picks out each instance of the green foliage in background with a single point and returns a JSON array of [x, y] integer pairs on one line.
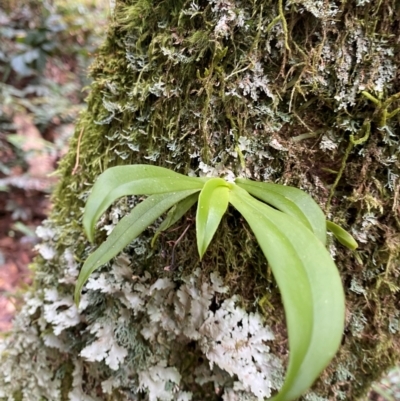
[[46, 49]]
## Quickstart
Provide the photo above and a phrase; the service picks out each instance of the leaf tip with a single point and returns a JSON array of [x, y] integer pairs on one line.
[[343, 236]]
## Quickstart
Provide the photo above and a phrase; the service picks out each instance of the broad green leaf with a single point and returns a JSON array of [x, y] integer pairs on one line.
[[212, 205], [129, 228], [290, 200], [174, 214], [310, 287], [138, 179], [342, 235]]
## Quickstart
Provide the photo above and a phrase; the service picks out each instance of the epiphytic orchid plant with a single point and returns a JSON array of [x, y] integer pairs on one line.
[[288, 225]]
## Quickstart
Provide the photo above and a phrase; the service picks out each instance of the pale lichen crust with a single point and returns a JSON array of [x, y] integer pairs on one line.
[[269, 90]]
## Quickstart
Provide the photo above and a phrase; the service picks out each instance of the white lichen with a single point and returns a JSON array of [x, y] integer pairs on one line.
[[60, 311], [105, 347]]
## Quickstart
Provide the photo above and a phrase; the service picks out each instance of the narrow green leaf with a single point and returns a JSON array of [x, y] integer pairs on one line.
[[344, 237], [290, 200], [310, 287], [138, 179], [174, 214], [212, 205], [129, 228]]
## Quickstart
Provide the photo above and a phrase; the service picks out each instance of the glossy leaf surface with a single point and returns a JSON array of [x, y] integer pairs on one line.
[[129, 228], [290, 200], [310, 287], [292, 238], [138, 179], [342, 235], [212, 205]]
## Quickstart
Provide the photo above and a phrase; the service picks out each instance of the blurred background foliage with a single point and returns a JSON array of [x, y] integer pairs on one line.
[[46, 47]]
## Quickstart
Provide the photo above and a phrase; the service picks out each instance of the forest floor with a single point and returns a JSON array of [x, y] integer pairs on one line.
[[45, 53], [39, 104]]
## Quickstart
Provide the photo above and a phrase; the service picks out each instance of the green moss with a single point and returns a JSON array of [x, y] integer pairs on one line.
[[277, 96], [192, 114], [66, 379], [17, 395]]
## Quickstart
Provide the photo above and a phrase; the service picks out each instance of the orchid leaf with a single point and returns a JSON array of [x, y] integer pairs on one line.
[[174, 214], [129, 228], [290, 200], [288, 225], [212, 205], [310, 287], [344, 237], [138, 179]]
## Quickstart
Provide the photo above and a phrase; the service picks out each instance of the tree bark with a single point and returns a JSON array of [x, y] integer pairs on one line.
[[302, 93]]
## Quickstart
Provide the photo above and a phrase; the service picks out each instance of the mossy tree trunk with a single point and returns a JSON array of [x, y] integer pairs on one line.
[[303, 93]]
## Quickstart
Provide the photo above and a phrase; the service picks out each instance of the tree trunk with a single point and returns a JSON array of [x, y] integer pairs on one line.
[[304, 94]]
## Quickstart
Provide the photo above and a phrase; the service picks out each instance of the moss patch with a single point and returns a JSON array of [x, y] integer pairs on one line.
[[270, 91]]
